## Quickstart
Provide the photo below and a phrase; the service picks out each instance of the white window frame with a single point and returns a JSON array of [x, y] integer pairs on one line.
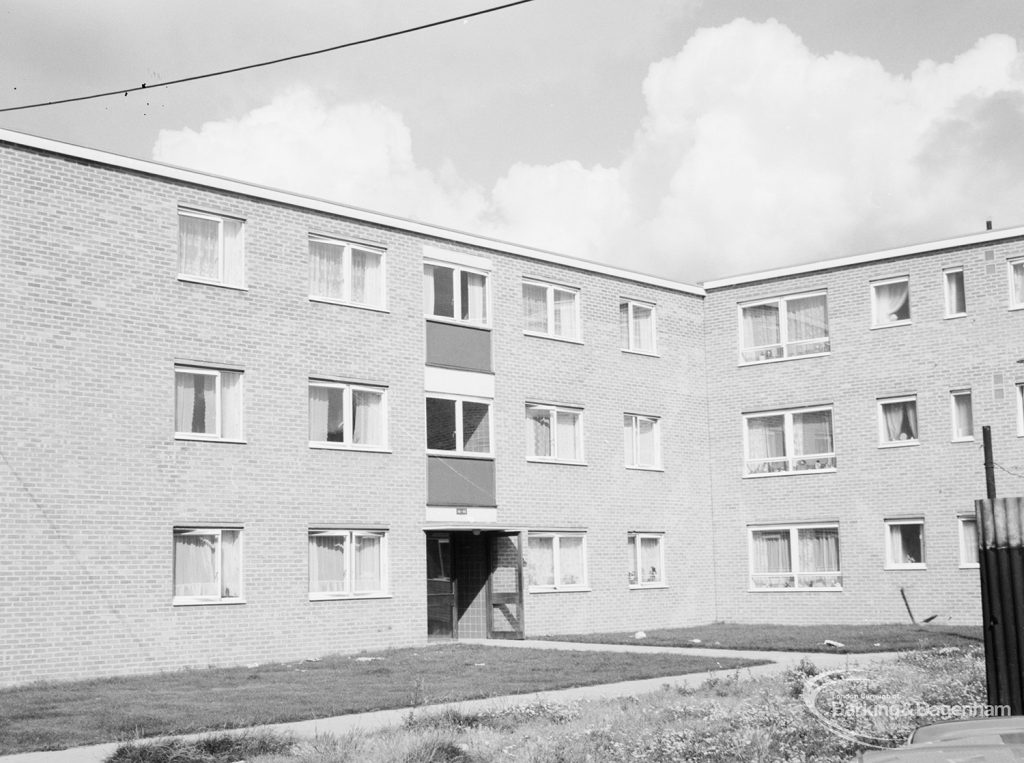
[[213, 532], [794, 464], [794, 558], [350, 560], [890, 563], [965, 564], [221, 255], [767, 353], [459, 448], [554, 411], [632, 455], [219, 401], [457, 270], [550, 289], [953, 395], [638, 538], [1012, 263], [630, 320], [584, 585], [882, 430], [349, 419], [948, 291], [1020, 409], [875, 324], [346, 269]]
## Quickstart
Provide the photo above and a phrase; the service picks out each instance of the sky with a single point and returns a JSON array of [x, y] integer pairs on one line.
[[687, 139]]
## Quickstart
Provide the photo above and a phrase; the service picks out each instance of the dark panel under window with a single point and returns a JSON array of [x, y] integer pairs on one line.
[[454, 481], [463, 347]]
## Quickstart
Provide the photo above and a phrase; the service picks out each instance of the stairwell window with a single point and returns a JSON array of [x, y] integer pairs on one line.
[[1016, 267], [969, 554], [786, 442], [347, 563], [963, 417], [956, 297], [211, 249], [551, 311], [207, 565], [784, 327], [350, 416], [455, 293], [207, 404], [904, 544], [897, 421], [796, 557], [646, 560], [344, 273], [641, 441], [458, 425], [890, 302], [557, 561], [637, 327]]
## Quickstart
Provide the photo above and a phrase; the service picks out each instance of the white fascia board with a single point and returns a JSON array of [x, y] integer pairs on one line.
[[220, 183], [973, 239]]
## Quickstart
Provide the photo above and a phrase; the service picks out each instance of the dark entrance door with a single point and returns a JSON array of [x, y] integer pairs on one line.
[[505, 586], [441, 588]]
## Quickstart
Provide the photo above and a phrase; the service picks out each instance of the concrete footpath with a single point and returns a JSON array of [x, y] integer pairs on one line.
[[344, 724]]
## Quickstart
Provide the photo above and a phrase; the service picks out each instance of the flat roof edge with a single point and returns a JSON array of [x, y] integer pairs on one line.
[[230, 185], [860, 259]]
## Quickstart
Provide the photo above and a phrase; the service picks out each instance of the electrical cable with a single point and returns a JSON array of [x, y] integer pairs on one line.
[[331, 49]]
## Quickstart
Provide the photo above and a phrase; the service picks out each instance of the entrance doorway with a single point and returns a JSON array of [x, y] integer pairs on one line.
[[474, 584]]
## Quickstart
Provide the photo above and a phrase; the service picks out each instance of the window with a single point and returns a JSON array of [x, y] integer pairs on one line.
[[1020, 410], [956, 299], [207, 565], [890, 302], [347, 416], [553, 433], [963, 419], [211, 249], [347, 563], [551, 311], [789, 441], [557, 562], [641, 440], [1016, 282], [646, 560], [897, 421], [207, 404], [636, 327], [904, 544], [459, 425], [788, 327], [346, 273], [968, 541], [795, 557], [455, 293]]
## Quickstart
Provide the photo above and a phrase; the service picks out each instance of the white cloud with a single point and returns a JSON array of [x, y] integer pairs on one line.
[[754, 152]]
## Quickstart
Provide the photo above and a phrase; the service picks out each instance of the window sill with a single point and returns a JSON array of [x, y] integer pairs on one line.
[[956, 315], [634, 468], [553, 337], [793, 473], [901, 444], [221, 284], [348, 596], [205, 602], [768, 361], [342, 303], [643, 353], [1014, 308], [897, 567], [461, 454], [893, 324], [582, 589], [805, 589], [456, 322], [962, 439], [532, 460], [971, 566], [648, 586], [352, 448], [198, 438]]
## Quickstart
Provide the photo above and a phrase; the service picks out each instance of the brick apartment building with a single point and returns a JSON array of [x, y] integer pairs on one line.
[[242, 425]]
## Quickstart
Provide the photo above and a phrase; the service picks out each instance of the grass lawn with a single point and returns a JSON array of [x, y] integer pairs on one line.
[[60, 715], [798, 638]]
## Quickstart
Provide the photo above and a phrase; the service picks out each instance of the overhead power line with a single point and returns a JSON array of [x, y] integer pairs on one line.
[[376, 38]]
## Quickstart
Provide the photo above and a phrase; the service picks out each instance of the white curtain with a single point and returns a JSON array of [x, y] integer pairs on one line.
[[900, 420], [541, 561], [366, 268], [535, 308], [646, 442], [368, 563], [538, 432], [819, 550], [765, 438], [964, 415], [476, 428], [199, 247], [195, 565], [328, 564], [195, 403], [231, 564], [570, 560], [892, 302], [326, 270], [772, 558], [318, 406], [234, 252], [474, 297], [643, 328], [812, 433], [367, 417], [761, 326], [970, 542], [231, 405], [1018, 283], [565, 313], [650, 559], [907, 543], [955, 298], [567, 436], [806, 318], [633, 578]]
